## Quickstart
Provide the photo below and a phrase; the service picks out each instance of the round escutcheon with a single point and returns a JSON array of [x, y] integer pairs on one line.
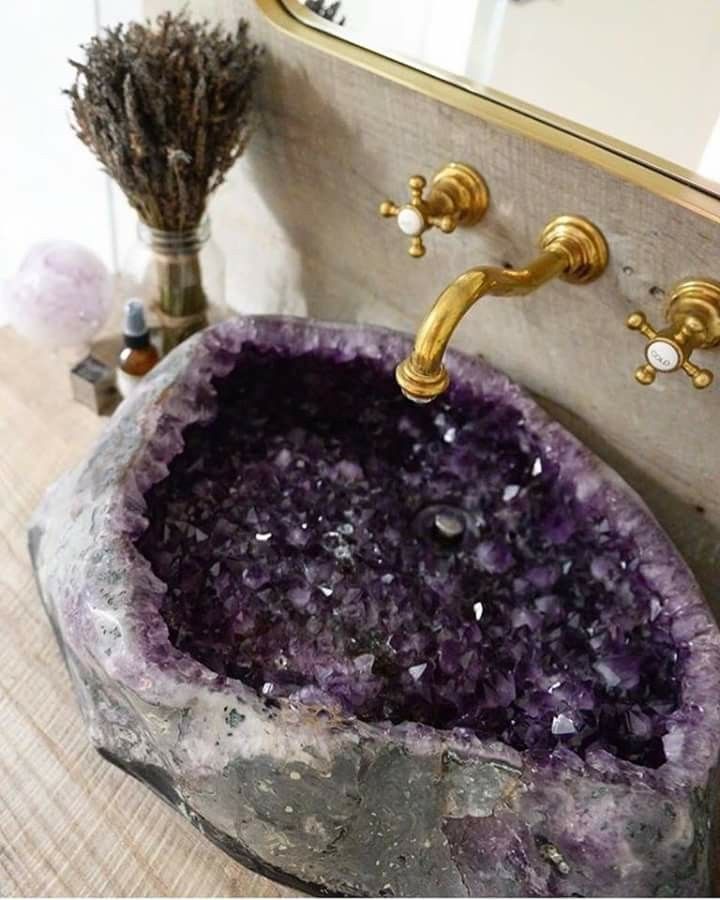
[[663, 356]]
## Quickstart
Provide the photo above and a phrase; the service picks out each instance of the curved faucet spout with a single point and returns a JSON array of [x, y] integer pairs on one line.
[[572, 249], [422, 376]]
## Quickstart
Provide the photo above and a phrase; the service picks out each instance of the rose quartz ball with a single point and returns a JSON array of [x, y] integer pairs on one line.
[[60, 296]]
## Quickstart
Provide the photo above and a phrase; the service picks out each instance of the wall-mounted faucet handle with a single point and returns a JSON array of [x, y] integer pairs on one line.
[[668, 351], [458, 196], [693, 317]]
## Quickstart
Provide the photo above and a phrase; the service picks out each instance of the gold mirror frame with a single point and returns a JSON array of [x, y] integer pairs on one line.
[[659, 176]]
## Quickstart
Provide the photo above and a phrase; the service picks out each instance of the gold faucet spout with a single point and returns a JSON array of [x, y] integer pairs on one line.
[[571, 248]]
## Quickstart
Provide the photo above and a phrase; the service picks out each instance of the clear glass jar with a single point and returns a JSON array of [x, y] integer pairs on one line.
[[180, 275]]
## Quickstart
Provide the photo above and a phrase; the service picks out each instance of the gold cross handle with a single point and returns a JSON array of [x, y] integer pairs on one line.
[[458, 196], [693, 317]]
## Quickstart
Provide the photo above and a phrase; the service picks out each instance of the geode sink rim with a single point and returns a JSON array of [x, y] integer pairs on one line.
[[179, 392]]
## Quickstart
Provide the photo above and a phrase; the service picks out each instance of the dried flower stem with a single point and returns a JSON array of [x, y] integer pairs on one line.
[[166, 108]]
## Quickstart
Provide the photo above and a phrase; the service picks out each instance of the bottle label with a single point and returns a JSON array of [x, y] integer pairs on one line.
[[127, 384]]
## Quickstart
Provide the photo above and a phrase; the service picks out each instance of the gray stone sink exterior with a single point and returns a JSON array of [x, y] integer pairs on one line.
[[327, 802]]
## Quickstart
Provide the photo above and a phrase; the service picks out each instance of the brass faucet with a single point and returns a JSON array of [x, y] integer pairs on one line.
[[572, 248], [693, 317], [458, 196]]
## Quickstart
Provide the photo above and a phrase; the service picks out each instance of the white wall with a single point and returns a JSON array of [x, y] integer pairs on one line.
[[50, 185]]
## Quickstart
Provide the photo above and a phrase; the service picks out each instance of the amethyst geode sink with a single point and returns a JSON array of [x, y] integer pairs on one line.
[[375, 648]]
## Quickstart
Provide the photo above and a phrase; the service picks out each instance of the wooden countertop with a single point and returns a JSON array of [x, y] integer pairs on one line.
[[70, 823]]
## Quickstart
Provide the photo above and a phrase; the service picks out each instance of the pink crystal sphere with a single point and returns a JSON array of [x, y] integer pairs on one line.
[[60, 296]]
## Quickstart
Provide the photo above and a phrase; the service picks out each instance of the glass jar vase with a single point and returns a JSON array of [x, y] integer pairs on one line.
[[180, 275]]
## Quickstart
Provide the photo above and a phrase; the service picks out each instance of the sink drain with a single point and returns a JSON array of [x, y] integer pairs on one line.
[[444, 524]]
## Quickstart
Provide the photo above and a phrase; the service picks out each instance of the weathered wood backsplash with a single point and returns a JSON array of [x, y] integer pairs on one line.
[[299, 226]]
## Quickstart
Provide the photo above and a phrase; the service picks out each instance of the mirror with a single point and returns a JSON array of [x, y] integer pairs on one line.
[[635, 78]]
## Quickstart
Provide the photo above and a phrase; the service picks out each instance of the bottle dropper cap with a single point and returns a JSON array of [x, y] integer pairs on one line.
[[135, 328], [134, 322]]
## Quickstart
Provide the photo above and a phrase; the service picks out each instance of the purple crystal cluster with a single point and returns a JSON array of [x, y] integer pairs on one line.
[[370, 649], [287, 535]]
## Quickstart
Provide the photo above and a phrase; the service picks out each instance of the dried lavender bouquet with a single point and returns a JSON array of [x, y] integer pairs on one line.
[[166, 108]]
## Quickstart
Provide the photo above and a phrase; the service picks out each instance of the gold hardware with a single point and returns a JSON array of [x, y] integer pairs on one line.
[[693, 317], [573, 249], [458, 196]]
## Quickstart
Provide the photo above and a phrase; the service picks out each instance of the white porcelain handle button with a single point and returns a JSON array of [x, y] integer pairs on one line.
[[663, 355], [410, 221]]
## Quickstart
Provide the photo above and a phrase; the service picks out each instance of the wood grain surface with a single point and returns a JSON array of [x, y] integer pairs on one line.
[[70, 823]]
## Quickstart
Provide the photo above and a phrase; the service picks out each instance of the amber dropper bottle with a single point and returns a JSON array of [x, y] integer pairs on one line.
[[139, 355]]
